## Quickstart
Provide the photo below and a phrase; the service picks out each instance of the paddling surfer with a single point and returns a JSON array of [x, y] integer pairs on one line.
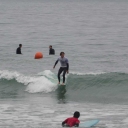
[[72, 121]]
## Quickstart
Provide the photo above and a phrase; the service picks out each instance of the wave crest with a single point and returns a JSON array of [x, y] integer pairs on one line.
[[42, 82]]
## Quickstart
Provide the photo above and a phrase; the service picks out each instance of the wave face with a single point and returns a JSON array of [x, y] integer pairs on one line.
[[95, 87], [98, 87]]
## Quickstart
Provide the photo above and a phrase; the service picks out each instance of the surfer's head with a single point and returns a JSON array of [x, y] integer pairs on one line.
[[20, 45], [62, 54], [76, 114]]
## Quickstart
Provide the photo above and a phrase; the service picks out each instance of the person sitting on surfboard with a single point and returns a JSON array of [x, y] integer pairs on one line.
[[64, 66], [72, 121]]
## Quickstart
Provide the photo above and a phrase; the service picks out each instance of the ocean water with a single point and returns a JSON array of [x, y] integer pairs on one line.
[[93, 35]]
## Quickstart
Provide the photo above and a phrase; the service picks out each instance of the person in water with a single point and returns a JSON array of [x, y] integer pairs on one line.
[[51, 50], [72, 121], [18, 51], [64, 66]]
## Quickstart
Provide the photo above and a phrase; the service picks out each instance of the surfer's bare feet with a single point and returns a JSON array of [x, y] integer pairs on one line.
[[58, 82], [62, 83]]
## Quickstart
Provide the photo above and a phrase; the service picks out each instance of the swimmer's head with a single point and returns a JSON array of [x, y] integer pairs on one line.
[[76, 114], [62, 54], [50, 46], [20, 45]]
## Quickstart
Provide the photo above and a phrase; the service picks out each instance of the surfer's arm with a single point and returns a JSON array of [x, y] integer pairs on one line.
[[67, 66], [77, 125], [55, 63], [64, 122]]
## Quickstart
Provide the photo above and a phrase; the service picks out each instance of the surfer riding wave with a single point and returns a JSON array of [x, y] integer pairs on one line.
[[64, 66]]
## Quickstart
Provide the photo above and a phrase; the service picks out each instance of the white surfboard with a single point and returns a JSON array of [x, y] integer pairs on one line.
[[89, 123]]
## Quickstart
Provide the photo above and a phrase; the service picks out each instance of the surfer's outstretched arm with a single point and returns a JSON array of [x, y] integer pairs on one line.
[[55, 63], [63, 123], [67, 67]]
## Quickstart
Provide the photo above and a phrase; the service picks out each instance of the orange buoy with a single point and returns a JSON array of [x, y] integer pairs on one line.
[[38, 55]]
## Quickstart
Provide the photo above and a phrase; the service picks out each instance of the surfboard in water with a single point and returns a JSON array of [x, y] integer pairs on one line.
[[89, 123], [61, 84]]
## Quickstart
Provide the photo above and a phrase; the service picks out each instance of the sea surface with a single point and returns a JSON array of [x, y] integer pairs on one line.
[[94, 36]]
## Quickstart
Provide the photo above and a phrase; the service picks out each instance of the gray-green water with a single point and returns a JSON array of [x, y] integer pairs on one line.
[[93, 34]]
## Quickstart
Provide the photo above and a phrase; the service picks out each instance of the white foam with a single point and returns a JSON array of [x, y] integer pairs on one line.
[[34, 83], [41, 84], [8, 75]]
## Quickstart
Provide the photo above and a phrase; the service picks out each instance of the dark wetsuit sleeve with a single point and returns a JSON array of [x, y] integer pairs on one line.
[[56, 63], [53, 51], [67, 66]]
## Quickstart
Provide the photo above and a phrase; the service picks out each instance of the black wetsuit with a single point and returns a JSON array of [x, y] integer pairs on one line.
[[51, 51], [18, 51], [62, 69]]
